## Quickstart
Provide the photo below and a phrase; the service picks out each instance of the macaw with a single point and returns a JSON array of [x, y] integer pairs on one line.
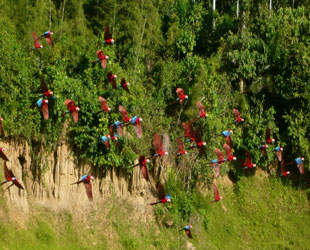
[[181, 147], [248, 161], [227, 135], [108, 40], [229, 155], [74, 110], [142, 163], [86, 179], [187, 230], [201, 109], [299, 163], [37, 44], [238, 118], [112, 136], [118, 126], [158, 146], [48, 37], [102, 58], [268, 139], [136, 122], [46, 93], [124, 85], [217, 197], [125, 117], [104, 105], [200, 144], [9, 176], [181, 96], [1, 127], [111, 79], [161, 195], [263, 148], [217, 162], [284, 172], [2, 155], [279, 152], [42, 104], [188, 131]]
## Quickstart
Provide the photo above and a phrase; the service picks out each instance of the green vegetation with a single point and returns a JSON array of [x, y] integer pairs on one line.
[[262, 213]]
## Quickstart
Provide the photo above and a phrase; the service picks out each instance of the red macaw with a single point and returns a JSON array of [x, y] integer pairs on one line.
[[181, 96], [268, 139], [158, 146], [217, 197], [9, 176], [104, 105], [188, 131], [299, 163], [229, 155], [248, 161], [111, 79], [74, 110], [102, 58], [47, 93], [108, 40], [284, 172], [161, 195], [238, 118], [86, 179], [37, 44], [124, 85], [201, 109], [43, 105], [200, 144], [142, 163], [136, 122], [125, 117], [48, 37], [227, 135], [264, 150], [181, 147], [279, 152]]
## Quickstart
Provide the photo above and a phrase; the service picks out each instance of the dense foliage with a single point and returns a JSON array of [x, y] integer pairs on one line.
[[257, 62]]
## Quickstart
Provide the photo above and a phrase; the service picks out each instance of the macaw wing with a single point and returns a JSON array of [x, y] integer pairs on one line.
[[49, 41], [283, 164], [301, 168], [228, 141], [1, 129], [227, 149], [69, 103], [215, 192], [77, 182], [125, 87], [124, 113], [217, 170], [113, 83], [35, 39], [3, 156], [180, 145], [104, 103], [104, 63], [45, 111], [75, 116], [188, 233], [138, 129], [200, 108], [141, 159], [99, 54], [144, 172], [107, 34], [180, 92], [188, 130], [88, 188], [248, 159], [219, 155], [123, 81], [6, 172], [17, 184], [237, 114], [111, 131], [279, 155], [161, 192], [119, 130], [107, 143], [43, 85], [158, 146], [267, 134], [198, 137]]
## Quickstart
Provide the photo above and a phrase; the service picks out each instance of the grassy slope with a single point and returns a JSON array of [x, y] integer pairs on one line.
[[262, 213]]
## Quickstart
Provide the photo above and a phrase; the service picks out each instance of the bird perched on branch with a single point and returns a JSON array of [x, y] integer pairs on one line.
[[86, 179]]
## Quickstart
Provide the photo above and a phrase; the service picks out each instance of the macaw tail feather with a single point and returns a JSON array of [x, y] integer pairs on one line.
[[154, 203]]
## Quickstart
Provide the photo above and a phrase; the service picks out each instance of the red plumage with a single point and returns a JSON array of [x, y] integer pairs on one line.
[[111, 79], [181, 96], [125, 117], [125, 85], [201, 110], [188, 131], [238, 117], [229, 155], [104, 104]]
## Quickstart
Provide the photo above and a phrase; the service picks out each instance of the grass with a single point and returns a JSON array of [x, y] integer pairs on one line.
[[261, 213]]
